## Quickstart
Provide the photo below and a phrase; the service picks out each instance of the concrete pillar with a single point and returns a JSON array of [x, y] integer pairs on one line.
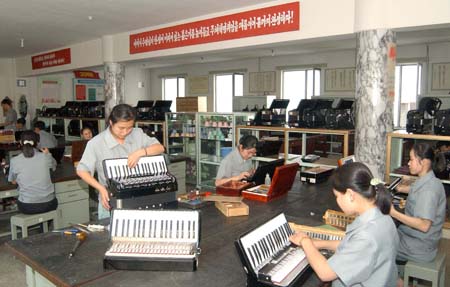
[[375, 83], [114, 86]]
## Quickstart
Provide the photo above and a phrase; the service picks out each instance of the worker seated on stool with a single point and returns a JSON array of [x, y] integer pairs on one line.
[[31, 171], [424, 216]]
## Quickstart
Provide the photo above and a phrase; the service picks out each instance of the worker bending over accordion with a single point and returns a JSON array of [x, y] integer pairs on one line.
[[366, 255], [121, 139]]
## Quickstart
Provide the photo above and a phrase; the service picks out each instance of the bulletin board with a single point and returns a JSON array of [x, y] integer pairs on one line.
[[49, 91], [88, 90], [260, 82], [198, 85], [340, 80], [440, 77]]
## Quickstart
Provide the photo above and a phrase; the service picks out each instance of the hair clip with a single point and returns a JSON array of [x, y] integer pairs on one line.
[[28, 142], [375, 181]]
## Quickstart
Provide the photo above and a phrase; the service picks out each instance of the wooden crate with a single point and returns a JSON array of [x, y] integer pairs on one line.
[[232, 208], [7, 136], [337, 219], [321, 232], [192, 104]]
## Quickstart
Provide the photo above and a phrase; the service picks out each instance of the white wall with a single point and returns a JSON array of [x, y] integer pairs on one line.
[[83, 55]]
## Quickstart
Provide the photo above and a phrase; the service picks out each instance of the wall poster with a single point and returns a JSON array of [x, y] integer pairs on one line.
[[49, 90], [340, 80], [440, 77], [88, 90]]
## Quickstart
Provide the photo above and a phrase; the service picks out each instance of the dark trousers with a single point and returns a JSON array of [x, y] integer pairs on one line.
[[33, 208]]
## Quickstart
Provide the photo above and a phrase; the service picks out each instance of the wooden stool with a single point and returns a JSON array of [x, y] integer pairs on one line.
[[26, 220], [433, 271]]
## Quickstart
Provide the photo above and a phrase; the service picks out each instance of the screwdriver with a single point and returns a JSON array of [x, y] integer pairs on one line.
[[81, 236]]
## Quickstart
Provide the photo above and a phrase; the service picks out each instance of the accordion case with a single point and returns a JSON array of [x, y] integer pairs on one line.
[[148, 185], [158, 240]]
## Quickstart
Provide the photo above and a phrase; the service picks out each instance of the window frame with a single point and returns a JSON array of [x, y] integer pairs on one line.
[[233, 87], [177, 77], [315, 81], [418, 89]]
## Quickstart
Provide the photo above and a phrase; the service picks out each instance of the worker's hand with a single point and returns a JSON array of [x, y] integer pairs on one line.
[[45, 150], [104, 198], [402, 188], [298, 237], [134, 157], [244, 175]]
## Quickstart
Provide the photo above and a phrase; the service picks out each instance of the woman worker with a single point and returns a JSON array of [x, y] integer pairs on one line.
[[119, 140], [366, 255]]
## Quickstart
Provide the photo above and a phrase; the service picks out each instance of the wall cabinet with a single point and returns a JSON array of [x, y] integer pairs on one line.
[[216, 138], [154, 129], [293, 143], [397, 152], [70, 128], [180, 136]]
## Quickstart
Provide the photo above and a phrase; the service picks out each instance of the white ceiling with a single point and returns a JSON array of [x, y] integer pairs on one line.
[[50, 24]]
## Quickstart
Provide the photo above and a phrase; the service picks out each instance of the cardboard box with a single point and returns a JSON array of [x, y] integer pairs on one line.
[[316, 174], [192, 104], [232, 208]]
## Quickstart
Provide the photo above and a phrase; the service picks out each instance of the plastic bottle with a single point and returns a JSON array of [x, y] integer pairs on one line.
[[267, 180]]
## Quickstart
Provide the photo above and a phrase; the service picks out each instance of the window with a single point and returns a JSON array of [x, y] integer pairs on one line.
[[227, 86], [407, 87], [300, 84], [173, 87]]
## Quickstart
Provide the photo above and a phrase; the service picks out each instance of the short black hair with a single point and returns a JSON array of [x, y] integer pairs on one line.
[[22, 121], [440, 144], [40, 125], [248, 142], [6, 101], [122, 112]]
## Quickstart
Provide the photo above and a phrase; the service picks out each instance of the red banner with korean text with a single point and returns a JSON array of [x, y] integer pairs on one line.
[[79, 74], [263, 21], [51, 59]]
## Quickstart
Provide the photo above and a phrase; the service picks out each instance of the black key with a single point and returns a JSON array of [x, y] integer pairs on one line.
[[143, 227], [258, 259], [249, 252], [261, 249], [150, 228], [268, 247], [123, 228]]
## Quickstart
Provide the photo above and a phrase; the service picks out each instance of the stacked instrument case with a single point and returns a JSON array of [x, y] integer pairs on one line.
[[157, 240]]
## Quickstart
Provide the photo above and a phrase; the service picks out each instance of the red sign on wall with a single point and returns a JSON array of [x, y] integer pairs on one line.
[[79, 74], [56, 58], [263, 21]]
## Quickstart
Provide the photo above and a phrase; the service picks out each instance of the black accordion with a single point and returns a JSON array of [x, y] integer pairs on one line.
[[158, 240], [442, 123], [268, 257], [147, 185]]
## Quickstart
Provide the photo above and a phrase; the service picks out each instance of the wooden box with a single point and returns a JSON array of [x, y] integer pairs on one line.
[[232, 208], [7, 136], [316, 174], [192, 104], [232, 188]]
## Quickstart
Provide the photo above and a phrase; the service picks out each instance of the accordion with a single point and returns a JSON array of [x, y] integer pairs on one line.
[[442, 122], [159, 240], [268, 257], [147, 185]]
